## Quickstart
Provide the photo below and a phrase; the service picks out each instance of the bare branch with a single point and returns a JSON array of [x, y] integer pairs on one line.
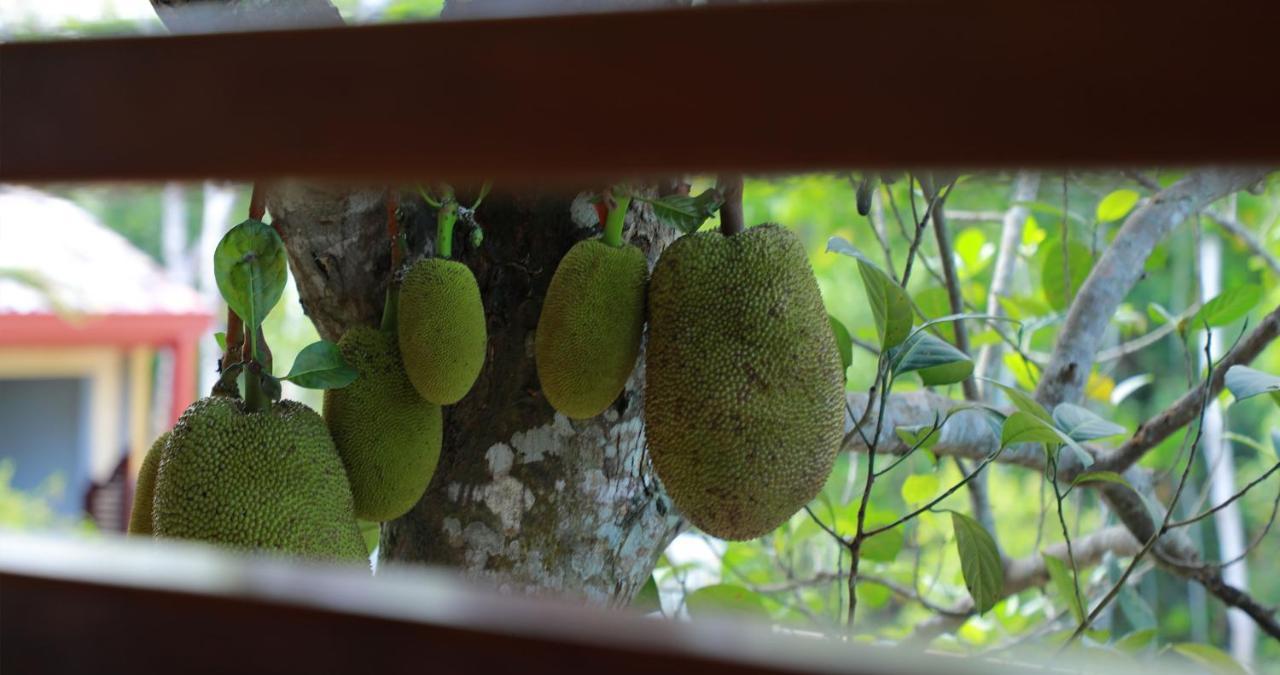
[[1119, 268], [1014, 220]]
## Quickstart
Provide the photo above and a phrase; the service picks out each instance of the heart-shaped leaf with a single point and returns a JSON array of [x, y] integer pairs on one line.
[[250, 268], [1083, 424], [1064, 583], [320, 366]]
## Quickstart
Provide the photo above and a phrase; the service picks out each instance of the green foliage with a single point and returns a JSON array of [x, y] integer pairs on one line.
[[250, 267], [321, 366], [979, 561]]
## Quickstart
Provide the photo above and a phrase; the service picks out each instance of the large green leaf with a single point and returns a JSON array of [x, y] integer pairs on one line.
[[320, 366], [1083, 424], [250, 268], [722, 599], [1075, 259], [979, 561], [1136, 610], [1064, 584], [1117, 205], [1023, 427], [936, 361], [1227, 307], [1245, 382], [890, 305]]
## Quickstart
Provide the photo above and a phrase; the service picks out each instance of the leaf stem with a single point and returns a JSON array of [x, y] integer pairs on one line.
[[617, 216]]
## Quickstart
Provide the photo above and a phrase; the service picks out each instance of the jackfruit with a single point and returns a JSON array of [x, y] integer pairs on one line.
[[590, 328], [744, 397], [387, 436], [145, 489], [442, 330], [265, 481]]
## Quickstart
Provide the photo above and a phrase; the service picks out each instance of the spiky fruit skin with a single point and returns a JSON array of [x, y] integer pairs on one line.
[[145, 490], [591, 325], [387, 435], [268, 481], [743, 391], [442, 331]]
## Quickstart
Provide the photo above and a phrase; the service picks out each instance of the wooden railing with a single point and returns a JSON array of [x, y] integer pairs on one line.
[[758, 87]]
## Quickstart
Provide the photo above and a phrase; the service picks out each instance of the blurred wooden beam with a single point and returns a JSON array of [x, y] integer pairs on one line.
[[143, 606], [761, 87]]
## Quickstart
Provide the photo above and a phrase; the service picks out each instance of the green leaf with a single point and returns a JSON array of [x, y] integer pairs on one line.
[[684, 212], [883, 547], [844, 342], [1245, 382], [1137, 641], [1064, 584], [250, 269], [1159, 314], [1135, 609], [1023, 427], [890, 305], [920, 488], [1079, 260], [934, 302], [1227, 307], [921, 436], [1210, 658], [221, 339], [1117, 205], [1023, 401], [1100, 477], [371, 532], [320, 366], [1083, 424], [937, 361], [979, 561], [971, 246], [722, 599], [647, 600]]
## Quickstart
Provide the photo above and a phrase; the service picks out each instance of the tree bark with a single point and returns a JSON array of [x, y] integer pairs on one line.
[[523, 498]]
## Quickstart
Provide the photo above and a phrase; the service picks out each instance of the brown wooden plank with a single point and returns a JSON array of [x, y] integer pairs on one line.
[[138, 606], [866, 83]]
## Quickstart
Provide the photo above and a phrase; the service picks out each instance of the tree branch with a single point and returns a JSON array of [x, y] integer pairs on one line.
[[1015, 219], [1182, 411], [1119, 268], [1237, 229]]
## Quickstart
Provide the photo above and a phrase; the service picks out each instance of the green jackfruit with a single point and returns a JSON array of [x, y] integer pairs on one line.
[[387, 436], [591, 324], [442, 330], [265, 481], [145, 489], [744, 398]]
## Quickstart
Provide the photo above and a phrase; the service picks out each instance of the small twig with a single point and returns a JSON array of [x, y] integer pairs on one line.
[[1168, 514], [1205, 514]]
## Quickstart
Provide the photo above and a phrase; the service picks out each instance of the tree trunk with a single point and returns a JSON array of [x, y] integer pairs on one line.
[[523, 498]]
